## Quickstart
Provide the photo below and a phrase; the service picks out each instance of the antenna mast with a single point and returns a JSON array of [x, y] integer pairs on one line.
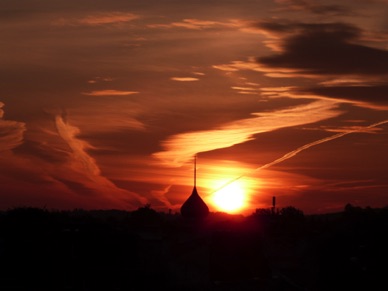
[[195, 170]]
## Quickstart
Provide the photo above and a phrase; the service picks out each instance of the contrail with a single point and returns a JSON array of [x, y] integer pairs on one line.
[[302, 148]]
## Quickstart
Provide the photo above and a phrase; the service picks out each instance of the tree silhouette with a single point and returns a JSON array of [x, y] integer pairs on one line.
[[291, 212]]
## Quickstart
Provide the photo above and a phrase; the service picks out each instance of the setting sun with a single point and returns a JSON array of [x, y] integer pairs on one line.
[[230, 198]]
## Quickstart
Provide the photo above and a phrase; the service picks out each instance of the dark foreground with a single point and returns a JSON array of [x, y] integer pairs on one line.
[[146, 250]]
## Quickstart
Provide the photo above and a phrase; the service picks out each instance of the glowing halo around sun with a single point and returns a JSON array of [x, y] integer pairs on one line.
[[231, 198]]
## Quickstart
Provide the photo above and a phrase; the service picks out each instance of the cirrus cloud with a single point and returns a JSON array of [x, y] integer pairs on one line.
[[97, 19], [110, 93], [182, 147], [11, 132], [184, 79]]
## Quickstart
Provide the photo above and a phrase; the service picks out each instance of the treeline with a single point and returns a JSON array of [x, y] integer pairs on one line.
[[39, 219]]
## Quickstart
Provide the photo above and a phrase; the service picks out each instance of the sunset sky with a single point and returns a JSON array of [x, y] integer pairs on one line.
[[103, 104]]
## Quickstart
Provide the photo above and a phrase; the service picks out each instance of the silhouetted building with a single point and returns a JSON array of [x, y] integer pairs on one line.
[[194, 207], [273, 204]]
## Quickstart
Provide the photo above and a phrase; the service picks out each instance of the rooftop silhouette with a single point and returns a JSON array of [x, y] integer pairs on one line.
[[194, 207], [120, 250]]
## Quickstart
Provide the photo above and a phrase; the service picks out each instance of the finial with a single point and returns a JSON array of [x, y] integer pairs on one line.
[[194, 207], [195, 170]]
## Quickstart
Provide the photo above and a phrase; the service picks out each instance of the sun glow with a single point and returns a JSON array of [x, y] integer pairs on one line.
[[231, 198]]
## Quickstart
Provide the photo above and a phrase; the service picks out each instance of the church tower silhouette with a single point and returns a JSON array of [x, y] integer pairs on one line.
[[194, 207]]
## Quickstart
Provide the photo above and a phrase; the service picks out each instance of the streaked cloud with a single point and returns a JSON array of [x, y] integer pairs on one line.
[[161, 196], [354, 128], [369, 96], [110, 93], [334, 54], [373, 97], [354, 81], [120, 114], [78, 147], [184, 79], [100, 79], [98, 19], [11, 132], [246, 90], [195, 24], [182, 147], [81, 161], [235, 66], [313, 6], [332, 50]]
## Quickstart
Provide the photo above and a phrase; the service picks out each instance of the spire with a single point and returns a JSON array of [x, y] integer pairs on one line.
[[194, 207], [195, 171]]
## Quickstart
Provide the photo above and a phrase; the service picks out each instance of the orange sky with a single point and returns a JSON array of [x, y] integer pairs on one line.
[[103, 104]]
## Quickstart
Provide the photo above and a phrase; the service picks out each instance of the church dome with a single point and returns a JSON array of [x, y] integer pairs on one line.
[[194, 206]]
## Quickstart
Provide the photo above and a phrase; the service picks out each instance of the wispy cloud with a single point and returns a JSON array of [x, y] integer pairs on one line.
[[98, 19], [110, 93], [335, 55], [316, 50], [313, 6], [365, 96], [354, 128], [182, 147], [80, 161], [373, 97], [235, 66], [321, 49], [195, 24], [199, 73], [100, 79], [161, 196], [365, 129], [108, 18], [78, 147], [11, 132], [246, 90], [184, 79], [118, 112]]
